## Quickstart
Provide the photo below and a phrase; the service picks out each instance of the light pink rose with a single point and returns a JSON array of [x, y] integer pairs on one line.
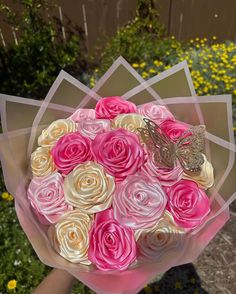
[[112, 246], [174, 129], [188, 204], [166, 176], [119, 151], [156, 113], [47, 198], [110, 107], [71, 150], [138, 202], [82, 114], [92, 127]]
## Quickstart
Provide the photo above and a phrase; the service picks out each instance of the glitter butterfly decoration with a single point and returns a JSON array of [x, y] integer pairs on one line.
[[187, 150]]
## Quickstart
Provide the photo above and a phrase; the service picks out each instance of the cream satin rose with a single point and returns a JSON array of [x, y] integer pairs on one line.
[[130, 122], [165, 240], [138, 202], [205, 179], [89, 188], [70, 236], [155, 112], [55, 131], [42, 163], [46, 196]]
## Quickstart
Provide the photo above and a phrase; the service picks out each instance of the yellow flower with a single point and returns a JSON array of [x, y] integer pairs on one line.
[[135, 65], [11, 285], [10, 197], [142, 64], [214, 37], [7, 196], [4, 195], [151, 70]]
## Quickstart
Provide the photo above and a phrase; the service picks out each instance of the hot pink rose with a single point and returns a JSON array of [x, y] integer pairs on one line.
[[82, 114], [138, 202], [47, 198], [119, 151], [188, 204], [112, 246], [71, 150], [166, 176], [156, 113], [110, 107], [92, 127], [174, 129]]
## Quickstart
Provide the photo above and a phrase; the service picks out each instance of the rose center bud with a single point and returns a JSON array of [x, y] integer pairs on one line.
[[118, 146], [109, 238], [56, 132], [72, 235], [187, 202], [141, 197], [88, 181], [50, 194]]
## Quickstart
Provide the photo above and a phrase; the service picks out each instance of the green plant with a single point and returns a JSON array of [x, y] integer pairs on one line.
[[137, 40], [30, 67]]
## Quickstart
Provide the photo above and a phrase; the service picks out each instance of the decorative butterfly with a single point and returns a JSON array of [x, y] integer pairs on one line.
[[187, 150]]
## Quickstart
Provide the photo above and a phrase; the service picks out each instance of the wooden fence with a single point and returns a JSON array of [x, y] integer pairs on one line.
[[184, 19]]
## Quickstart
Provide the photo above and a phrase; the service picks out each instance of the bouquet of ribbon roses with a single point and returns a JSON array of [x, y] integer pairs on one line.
[[119, 187]]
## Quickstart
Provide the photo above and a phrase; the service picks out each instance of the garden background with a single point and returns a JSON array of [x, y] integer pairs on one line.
[[38, 39]]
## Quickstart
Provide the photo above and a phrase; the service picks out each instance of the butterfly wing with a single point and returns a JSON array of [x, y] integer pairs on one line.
[[190, 148], [159, 143]]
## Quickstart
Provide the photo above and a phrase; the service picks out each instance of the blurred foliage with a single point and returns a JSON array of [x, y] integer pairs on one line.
[[137, 40], [29, 68]]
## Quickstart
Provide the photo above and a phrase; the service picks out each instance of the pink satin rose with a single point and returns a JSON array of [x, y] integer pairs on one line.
[[138, 202], [119, 152], [92, 127], [112, 246], [174, 129], [188, 204], [46, 196], [71, 150], [156, 113], [110, 107], [166, 176], [81, 114]]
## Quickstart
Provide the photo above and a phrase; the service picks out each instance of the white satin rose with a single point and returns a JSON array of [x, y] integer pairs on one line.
[[89, 188], [164, 241], [42, 163], [205, 179], [130, 122], [155, 112], [70, 236], [55, 131], [92, 127]]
